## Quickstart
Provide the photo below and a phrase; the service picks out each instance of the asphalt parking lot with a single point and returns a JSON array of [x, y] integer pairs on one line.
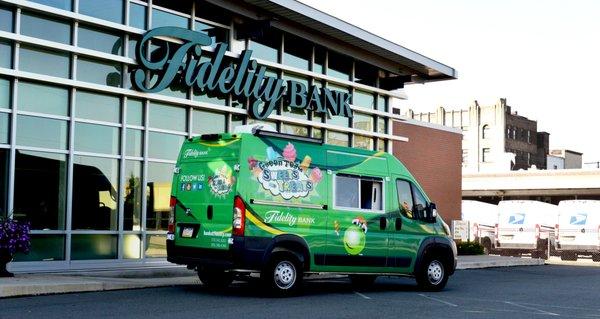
[[518, 292]]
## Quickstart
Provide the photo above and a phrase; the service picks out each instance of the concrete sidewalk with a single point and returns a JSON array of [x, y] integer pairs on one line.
[[54, 283]]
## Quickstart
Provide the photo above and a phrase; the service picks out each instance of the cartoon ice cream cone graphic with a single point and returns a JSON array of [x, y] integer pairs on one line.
[[289, 152], [305, 163], [316, 175]]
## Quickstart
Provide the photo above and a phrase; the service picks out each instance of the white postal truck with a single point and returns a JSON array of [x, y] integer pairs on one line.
[[578, 229], [482, 218], [525, 226]]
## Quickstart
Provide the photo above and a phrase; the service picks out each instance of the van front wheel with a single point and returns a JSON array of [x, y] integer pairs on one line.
[[432, 276], [215, 279], [283, 274]]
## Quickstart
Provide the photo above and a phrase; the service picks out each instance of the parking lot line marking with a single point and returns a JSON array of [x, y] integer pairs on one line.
[[362, 295], [532, 308], [438, 300]]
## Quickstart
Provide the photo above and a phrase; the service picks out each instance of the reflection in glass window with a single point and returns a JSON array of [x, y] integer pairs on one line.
[[382, 103], [208, 122], [381, 145], [236, 120], [137, 15], [405, 200], [111, 10], [297, 52], [135, 112], [156, 246], [266, 48], [5, 54], [60, 4], [44, 248], [158, 195], [317, 133], [363, 142], [217, 34], [132, 246], [4, 93], [4, 153], [98, 107], [4, 130], [95, 195], [337, 119], [93, 246], [34, 97], [163, 19], [164, 146], [41, 132], [295, 112], [363, 121], [46, 28], [339, 66], [96, 138], [358, 192], [132, 43], [133, 196], [337, 138], [381, 125], [99, 40], [94, 71], [41, 61], [167, 117], [41, 189], [6, 19], [294, 129], [363, 99], [133, 142], [319, 65]]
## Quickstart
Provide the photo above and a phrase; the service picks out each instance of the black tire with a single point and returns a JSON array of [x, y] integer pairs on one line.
[[282, 275], [596, 257], [432, 274], [362, 281], [215, 279], [487, 246]]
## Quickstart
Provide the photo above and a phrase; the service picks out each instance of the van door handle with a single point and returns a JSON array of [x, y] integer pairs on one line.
[[382, 223], [398, 223], [209, 212]]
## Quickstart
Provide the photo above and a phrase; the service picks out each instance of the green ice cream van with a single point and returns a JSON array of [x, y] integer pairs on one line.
[[284, 206]]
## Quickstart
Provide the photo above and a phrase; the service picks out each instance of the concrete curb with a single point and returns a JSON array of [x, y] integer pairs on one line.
[[478, 262]]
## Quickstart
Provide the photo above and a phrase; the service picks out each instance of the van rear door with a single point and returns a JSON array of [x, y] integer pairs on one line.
[[205, 190]]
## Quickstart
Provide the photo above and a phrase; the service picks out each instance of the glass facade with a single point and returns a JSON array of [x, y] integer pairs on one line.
[[93, 157]]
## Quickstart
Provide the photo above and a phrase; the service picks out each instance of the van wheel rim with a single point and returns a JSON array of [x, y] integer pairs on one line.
[[435, 272], [285, 275]]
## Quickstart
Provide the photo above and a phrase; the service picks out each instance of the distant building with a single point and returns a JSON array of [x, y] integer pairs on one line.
[[570, 159], [555, 162], [494, 138]]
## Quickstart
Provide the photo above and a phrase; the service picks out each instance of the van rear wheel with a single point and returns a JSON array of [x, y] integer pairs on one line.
[[432, 275], [215, 279], [283, 274]]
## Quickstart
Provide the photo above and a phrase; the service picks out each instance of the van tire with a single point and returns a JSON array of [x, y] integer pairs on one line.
[[362, 281], [596, 257], [215, 279], [433, 273], [283, 274]]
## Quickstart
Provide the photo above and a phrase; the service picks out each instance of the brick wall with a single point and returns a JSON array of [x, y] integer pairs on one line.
[[434, 157]]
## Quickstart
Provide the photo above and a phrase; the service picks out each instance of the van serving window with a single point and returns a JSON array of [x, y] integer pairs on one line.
[[360, 192]]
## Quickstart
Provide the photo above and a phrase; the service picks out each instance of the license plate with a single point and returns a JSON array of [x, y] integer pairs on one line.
[[187, 232]]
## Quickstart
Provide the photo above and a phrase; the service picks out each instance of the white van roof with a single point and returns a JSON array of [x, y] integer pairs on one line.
[[480, 212]]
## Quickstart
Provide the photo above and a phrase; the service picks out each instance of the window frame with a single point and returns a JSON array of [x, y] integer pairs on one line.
[[359, 178]]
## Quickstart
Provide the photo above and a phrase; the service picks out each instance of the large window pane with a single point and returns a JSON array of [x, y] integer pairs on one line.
[[61, 4], [163, 19], [156, 246], [4, 93], [4, 182], [337, 119], [94, 247], [5, 54], [132, 246], [98, 107], [211, 12], [319, 64], [160, 176], [363, 121], [4, 128], [95, 185], [137, 15], [133, 143], [41, 132], [339, 66], [294, 129], [99, 40], [44, 248], [381, 103], [6, 19], [346, 191], [337, 138], [363, 142], [363, 99], [381, 125], [106, 73], [208, 122], [37, 60], [111, 10], [164, 146], [295, 112], [366, 74], [236, 120], [135, 112], [167, 117], [267, 47], [41, 189], [217, 34], [96, 138], [133, 196], [40, 98], [46, 28], [297, 52]]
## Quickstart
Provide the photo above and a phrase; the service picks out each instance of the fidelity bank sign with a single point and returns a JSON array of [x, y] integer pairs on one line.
[[243, 79]]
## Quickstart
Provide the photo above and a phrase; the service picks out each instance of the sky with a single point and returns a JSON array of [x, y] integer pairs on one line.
[[543, 56]]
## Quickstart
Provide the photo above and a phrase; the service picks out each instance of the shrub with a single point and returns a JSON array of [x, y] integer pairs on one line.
[[469, 248]]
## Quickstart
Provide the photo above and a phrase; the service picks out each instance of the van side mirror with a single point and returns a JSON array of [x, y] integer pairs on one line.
[[431, 213]]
